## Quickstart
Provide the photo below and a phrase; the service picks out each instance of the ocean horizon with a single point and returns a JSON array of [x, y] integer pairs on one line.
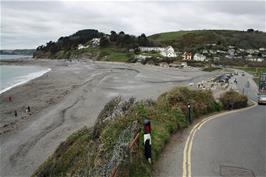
[[14, 57]]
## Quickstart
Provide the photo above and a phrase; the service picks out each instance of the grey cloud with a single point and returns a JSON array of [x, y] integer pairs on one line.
[[29, 24]]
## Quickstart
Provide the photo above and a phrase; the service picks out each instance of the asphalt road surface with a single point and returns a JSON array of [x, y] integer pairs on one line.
[[231, 145]]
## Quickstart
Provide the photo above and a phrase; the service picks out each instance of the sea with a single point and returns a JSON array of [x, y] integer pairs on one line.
[[14, 75]]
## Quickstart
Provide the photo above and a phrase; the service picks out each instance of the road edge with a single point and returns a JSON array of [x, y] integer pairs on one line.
[[186, 169]]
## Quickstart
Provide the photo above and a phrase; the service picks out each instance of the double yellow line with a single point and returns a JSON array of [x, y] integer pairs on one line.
[[189, 141]]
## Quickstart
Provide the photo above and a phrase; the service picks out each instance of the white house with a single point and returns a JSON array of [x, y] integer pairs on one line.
[[229, 56], [213, 51], [80, 46], [260, 59], [250, 51], [205, 51], [95, 42], [151, 49], [231, 52], [221, 51], [141, 57], [199, 57], [255, 59], [242, 50], [168, 52]]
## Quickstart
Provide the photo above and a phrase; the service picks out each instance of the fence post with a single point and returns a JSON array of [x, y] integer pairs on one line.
[[189, 113], [147, 139]]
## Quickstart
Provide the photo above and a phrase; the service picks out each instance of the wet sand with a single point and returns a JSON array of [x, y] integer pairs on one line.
[[69, 97]]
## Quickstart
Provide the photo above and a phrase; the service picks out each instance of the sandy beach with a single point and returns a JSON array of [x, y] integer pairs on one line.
[[69, 97]]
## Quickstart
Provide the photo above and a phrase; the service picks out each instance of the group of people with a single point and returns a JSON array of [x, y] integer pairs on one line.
[[28, 111]]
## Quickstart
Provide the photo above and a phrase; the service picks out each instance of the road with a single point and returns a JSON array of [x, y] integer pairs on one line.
[[23, 150], [231, 144]]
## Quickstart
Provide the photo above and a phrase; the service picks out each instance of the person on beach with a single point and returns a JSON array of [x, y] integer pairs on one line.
[[28, 108], [15, 113], [9, 98]]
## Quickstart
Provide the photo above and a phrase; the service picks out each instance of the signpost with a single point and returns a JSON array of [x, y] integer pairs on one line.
[[147, 139]]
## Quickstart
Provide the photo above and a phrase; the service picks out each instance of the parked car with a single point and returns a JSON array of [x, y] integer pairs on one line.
[[262, 99]]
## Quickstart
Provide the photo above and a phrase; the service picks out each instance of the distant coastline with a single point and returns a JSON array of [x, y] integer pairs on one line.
[[7, 57], [17, 52]]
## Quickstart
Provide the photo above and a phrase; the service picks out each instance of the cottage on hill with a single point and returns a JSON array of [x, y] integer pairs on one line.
[[166, 52], [199, 57], [187, 56]]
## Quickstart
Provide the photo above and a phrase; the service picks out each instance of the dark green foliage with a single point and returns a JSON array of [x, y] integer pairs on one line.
[[113, 36], [202, 102], [143, 41], [66, 47], [233, 100], [104, 42]]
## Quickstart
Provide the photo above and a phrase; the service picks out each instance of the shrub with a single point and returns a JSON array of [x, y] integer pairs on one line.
[[202, 102], [89, 152], [233, 100]]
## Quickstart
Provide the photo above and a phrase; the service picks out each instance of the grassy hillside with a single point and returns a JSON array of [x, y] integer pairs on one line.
[[198, 38], [97, 150], [115, 46]]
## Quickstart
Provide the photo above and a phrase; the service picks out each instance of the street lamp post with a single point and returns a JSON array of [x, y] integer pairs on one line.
[[189, 114]]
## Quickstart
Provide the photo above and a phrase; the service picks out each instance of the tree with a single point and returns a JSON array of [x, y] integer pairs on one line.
[[142, 40], [113, 36], [104, 42], [250, 30], [121, 33]]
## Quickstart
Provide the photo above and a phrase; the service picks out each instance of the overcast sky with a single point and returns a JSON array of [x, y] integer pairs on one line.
[[27, 24]]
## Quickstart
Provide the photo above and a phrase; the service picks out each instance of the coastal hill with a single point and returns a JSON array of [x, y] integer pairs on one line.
[[91, 43], [191, 40]]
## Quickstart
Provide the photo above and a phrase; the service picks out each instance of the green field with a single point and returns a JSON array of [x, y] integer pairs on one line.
[[210, 69], [107, 53], [114, 54], [193, 40], [168, 35]]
